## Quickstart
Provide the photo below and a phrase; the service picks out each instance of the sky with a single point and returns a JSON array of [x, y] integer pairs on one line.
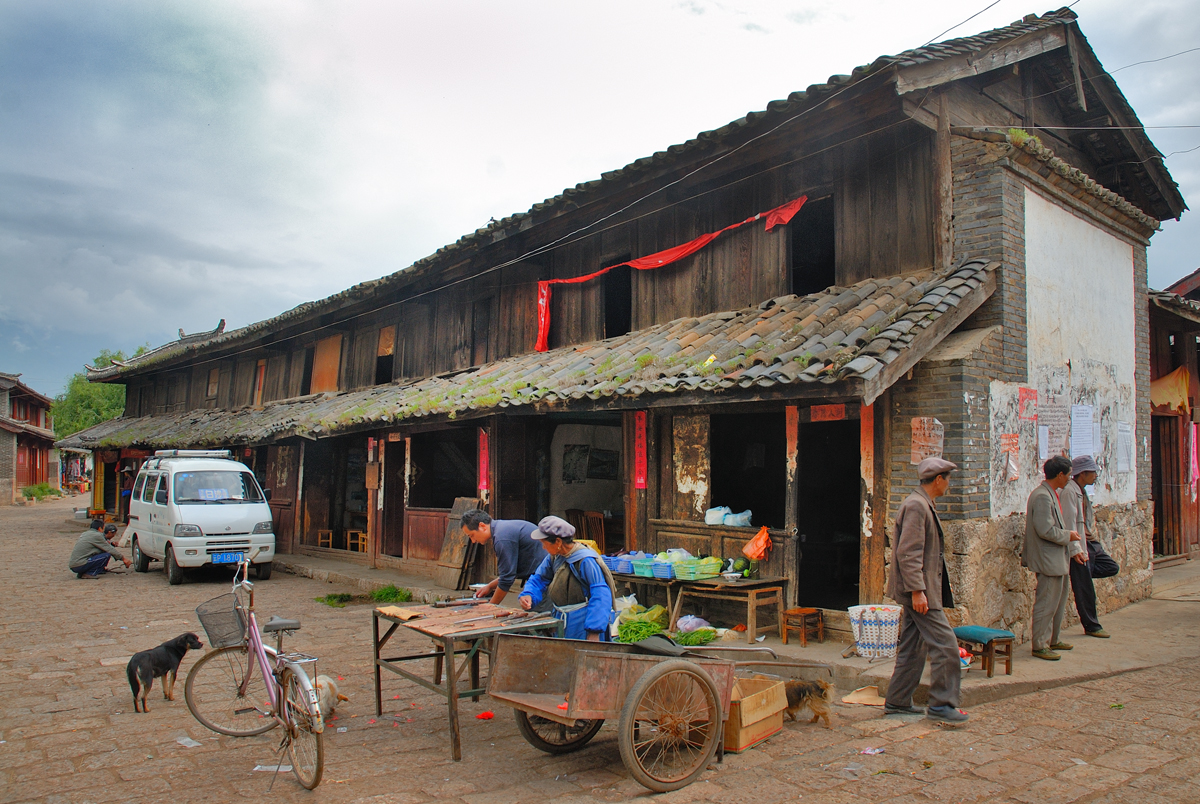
[[164, 165]]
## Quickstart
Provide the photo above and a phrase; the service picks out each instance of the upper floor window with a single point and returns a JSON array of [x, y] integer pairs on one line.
[[618, 299], [327, 363], [214, 384], [385, 355], [813, 264]]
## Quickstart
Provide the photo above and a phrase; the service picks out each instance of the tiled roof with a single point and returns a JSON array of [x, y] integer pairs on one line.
[[1174, 303], [10, 381], [848, 342], [586, 192], [17, 426]]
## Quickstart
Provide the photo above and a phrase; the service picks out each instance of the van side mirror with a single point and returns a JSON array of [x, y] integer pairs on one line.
[[267, 494]]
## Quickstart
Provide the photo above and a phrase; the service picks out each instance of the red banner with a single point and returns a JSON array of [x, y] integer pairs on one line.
[[778, 216], [484, 462], [639, 449]]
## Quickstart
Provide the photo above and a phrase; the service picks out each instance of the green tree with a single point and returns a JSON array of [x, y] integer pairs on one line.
[[85, 404]]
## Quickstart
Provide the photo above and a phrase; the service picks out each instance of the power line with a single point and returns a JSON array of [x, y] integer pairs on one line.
[[968, 19]]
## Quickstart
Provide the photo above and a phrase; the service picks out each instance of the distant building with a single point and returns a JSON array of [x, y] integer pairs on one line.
[[27, 453]]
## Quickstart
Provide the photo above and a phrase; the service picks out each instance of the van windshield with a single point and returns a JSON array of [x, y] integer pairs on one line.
[[216, 488]]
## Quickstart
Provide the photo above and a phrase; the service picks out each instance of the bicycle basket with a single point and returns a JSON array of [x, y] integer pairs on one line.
[[222, 621]]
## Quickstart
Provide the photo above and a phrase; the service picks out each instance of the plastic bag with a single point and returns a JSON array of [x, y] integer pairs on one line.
[[741, 520], [654, 614], [759, 546], [622, 603], [716, 516], [690, 622], [677, 554]]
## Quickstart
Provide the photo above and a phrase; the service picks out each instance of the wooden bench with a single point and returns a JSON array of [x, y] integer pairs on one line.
[[987, 643]]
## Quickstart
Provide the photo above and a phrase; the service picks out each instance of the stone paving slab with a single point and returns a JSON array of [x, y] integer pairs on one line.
[[68, 733]]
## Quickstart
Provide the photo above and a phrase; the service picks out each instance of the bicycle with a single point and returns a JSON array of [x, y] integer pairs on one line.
[[225, 694]]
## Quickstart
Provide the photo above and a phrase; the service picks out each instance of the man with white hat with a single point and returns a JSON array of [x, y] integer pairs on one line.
[[1088, 559], [918, 582]]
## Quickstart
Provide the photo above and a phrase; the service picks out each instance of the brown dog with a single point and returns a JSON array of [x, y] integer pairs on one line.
[[816, 695]]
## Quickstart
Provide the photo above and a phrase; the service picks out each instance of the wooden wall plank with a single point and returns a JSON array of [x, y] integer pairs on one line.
[[885, 258], [853, 248], [275, 381]]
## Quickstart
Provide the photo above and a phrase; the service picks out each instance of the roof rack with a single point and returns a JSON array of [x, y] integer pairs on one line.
[[193, 453]]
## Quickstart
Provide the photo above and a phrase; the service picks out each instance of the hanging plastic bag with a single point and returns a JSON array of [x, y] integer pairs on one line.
[[741, 520], [716, 516], [758, 547]]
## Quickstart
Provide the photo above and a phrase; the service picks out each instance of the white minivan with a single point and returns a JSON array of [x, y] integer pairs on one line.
[[194, 507]]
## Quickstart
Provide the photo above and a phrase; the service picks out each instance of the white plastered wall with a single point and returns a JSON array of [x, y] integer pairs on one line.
[[1081, 343]]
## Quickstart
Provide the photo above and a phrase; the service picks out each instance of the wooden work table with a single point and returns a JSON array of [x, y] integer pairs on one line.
[[765, 591], [452, 639]]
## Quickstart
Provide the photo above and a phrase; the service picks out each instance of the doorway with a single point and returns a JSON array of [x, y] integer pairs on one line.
[[828, 515]]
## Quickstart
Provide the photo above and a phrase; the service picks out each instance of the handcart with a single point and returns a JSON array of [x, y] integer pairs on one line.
[[670, 710]]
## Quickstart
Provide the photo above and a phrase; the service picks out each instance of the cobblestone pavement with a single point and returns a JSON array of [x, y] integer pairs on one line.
[[69, 733]]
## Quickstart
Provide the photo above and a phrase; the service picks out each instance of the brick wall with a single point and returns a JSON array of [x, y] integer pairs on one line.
[[8, 467], [1142, 372]]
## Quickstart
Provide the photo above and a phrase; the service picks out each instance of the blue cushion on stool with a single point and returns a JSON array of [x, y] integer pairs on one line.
[[981, 635]]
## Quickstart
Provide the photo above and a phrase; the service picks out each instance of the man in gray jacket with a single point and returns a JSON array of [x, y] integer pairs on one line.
[[1045, 552], [1088, 558], [919, 584], [92, 551]]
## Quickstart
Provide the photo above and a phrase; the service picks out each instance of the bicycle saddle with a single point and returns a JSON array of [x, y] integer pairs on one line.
[[280, 624]]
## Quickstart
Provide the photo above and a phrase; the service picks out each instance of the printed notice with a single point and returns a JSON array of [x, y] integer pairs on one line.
[[1081, 431], [1027, 404], [1055, 415], [928, 435], [1043, 442], [1124, 447], [1010, 446]]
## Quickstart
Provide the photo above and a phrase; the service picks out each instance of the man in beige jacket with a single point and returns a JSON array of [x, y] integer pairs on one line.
[[919, 584], [1046, 554]]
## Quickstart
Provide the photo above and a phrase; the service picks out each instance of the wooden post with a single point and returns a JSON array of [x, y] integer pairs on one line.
[[791, 504], [635, 498], [882, 418], [943, 198], [871, 541]]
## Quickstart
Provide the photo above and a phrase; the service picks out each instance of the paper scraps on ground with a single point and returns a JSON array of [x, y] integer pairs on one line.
[[188, 742], [867, 696], [342, 730], [398, 613], [871, 751], [485, 716], [274, 768]]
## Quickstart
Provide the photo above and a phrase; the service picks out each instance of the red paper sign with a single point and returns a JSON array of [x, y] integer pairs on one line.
[[484, 463], [827, 413], [639, 449], [370, 450], [1027, 404]]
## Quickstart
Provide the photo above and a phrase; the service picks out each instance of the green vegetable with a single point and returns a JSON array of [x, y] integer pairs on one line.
[[701, 636], [741, 565], [636, 631]]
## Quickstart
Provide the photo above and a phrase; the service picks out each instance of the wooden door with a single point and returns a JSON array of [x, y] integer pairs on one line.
[[24, 466], [280, 476], [1169, 460], [391, 541], [424, 531]]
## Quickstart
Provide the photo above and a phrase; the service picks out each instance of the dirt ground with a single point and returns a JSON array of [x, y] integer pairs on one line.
[[68, 732]]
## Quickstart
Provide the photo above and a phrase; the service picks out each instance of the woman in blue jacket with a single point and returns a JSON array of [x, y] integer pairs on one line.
[[574, 579]]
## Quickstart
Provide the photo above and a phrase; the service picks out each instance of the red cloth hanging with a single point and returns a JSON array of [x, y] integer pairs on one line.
[[775, 217]]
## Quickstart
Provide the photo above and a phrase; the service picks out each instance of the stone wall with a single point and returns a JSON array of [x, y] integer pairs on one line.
[[993, 589], [8, 467]]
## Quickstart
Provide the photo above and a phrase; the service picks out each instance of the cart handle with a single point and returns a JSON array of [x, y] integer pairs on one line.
[[737, 649], [789, 663]]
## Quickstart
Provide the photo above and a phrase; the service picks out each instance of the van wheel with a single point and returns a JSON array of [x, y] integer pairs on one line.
[[263, 571], [141, 561], [174, 571]]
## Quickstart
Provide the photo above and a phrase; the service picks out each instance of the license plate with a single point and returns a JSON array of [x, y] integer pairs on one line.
[[227, 558]]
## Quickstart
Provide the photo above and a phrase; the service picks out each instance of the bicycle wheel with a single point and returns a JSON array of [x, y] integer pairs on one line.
[[212, 692], [304, 744]]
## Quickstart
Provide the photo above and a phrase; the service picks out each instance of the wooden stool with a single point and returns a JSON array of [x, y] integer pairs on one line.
[[800, 620], [356, 541], [324, 538], [983, 642]]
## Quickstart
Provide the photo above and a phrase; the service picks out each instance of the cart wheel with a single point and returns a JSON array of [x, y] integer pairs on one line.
[[554, 737], [670, 726]]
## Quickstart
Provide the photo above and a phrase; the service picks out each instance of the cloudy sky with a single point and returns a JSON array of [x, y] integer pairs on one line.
[[169, 164]]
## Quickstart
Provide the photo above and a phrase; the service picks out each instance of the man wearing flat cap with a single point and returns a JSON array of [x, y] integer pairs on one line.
[[1088, 558], [1046, 553], [919, 583]]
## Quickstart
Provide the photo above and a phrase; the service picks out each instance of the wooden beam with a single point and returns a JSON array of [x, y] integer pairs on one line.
[[930, 337], [943, 199], [791, 504], [1003, 54], [1073, 55]]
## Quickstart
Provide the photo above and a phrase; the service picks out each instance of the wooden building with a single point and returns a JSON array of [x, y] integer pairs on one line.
[[795, 366], [27, 453]]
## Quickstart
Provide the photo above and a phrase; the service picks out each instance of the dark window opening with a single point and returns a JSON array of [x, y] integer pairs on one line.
[[748, 465], [813, 265], [618, 300], [385, 358], [444, 465], [828, 514], [306, 377]]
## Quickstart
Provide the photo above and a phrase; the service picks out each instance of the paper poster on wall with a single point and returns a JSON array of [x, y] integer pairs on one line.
[[1027, 404], [928, 435], [1081, 431], [639, 450], [1124, 447], [575, 463], [1097, 443], [1010, 446], [1055, 414], [1043, 442]]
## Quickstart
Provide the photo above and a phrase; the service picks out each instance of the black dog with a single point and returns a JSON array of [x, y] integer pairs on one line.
[[161, 662]]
